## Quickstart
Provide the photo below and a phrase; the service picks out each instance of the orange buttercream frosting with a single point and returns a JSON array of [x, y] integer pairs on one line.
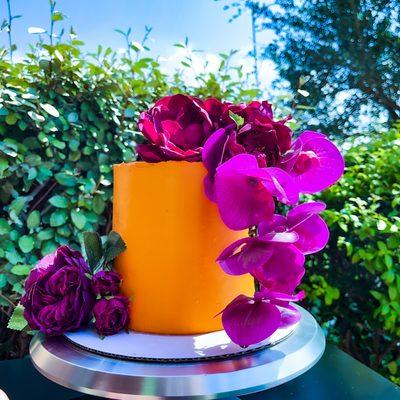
[[173, 235]]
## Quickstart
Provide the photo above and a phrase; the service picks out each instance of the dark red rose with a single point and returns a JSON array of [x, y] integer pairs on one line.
[[111, 315], [58, 294], [176, 129], [106, 283]]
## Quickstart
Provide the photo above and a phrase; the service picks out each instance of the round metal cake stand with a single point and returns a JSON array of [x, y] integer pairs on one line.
[[64, 363]]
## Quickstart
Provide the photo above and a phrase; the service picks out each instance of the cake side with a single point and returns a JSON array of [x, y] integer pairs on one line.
[[174, 235]]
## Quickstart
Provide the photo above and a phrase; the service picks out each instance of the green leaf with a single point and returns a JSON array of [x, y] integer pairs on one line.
[[57, 16], [3, 281], [78, 218], [392, 367], [72, 117], [33, 219], [59, 201], [98, 205], [58, 218], [392, 292], [26, 243], [114, 246], [11, 119], [21, 269], [50, 109], [17, 321], [92, 248], [45, 234], [4, 227], [237, 118], [66, 179]]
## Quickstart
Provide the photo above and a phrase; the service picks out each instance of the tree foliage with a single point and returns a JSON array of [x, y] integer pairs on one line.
[[344, 53]]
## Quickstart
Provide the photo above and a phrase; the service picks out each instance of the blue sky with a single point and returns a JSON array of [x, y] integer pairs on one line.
[[204, 22]]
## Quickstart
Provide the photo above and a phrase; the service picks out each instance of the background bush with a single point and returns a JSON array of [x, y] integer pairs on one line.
[[66, 117], [354, 285]]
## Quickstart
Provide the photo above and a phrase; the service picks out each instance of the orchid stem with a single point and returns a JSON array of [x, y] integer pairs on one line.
[[253, 232]]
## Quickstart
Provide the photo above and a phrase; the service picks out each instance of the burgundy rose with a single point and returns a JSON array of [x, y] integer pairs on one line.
[[176, 129], [219, 113], [58, 295], [111, 315], [106, 283]]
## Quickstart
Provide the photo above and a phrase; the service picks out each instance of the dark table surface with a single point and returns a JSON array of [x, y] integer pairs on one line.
[[336, 376]]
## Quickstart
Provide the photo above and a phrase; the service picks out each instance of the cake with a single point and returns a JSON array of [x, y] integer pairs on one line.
[[173, 235]]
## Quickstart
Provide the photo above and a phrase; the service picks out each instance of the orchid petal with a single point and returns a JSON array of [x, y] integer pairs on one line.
[[283, 270], [242, 201], [324, 169], [247, 321], [290, 315], [244, 255], [286, 190], [213, 149], [313, 235]]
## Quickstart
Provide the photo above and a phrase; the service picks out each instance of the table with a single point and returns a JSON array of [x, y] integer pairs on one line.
[[336, 376]]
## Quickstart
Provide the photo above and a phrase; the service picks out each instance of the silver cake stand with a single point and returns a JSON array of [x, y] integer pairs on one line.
[[69, 365]]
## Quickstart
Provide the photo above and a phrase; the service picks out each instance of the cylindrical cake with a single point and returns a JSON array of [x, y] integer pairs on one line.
[[173, 234]]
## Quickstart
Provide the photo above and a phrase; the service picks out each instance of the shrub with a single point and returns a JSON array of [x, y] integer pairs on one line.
[[65, 118], [354, 285]]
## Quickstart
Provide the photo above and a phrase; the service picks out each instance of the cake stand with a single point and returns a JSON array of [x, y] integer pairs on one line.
[[70, 365]]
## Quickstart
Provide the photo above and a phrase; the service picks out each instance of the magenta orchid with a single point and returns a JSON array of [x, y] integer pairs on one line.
[[249, 320], [251, 163], [314, 162], [244, 192]]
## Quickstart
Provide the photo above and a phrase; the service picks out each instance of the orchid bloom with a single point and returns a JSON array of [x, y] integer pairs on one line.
[[245, 193], [311, 229], [314, 162], [250, 320]]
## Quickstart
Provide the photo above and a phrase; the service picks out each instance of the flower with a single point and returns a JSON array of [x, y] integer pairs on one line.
[[244, 192], [111, 315], [249, 320], [176, 128], [259, 135], [106, 283], [314, 162], [273, 260], [311, 229], [218, 112], [58, 294]]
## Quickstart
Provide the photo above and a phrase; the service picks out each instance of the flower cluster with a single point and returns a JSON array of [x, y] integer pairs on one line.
[[252, 163], [63, 294]]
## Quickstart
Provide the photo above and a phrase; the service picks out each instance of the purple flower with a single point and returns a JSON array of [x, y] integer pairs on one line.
[[111, 315], [244, 192], [106, 283], [314, 162], [249, 320], [273, 260], [176, 129], [259, 135], [311, 229], [58, 295]]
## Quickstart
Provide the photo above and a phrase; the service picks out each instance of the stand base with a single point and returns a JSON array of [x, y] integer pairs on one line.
[[66, 364]]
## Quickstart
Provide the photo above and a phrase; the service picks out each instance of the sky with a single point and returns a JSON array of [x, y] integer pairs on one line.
[[204, 22]]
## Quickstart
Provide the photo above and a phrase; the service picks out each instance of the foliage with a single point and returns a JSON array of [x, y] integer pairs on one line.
[[65, 118], [345, 54], [354, 286]]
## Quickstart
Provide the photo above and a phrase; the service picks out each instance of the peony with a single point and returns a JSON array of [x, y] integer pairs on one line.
[[111, 315], [106, 283], [58, 294], [176, 129]]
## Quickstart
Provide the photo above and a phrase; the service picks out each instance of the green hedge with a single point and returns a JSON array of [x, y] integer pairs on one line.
[[354, 285], [65, 118]]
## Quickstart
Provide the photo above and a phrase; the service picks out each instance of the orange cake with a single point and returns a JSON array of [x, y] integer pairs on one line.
[[173, 234]]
